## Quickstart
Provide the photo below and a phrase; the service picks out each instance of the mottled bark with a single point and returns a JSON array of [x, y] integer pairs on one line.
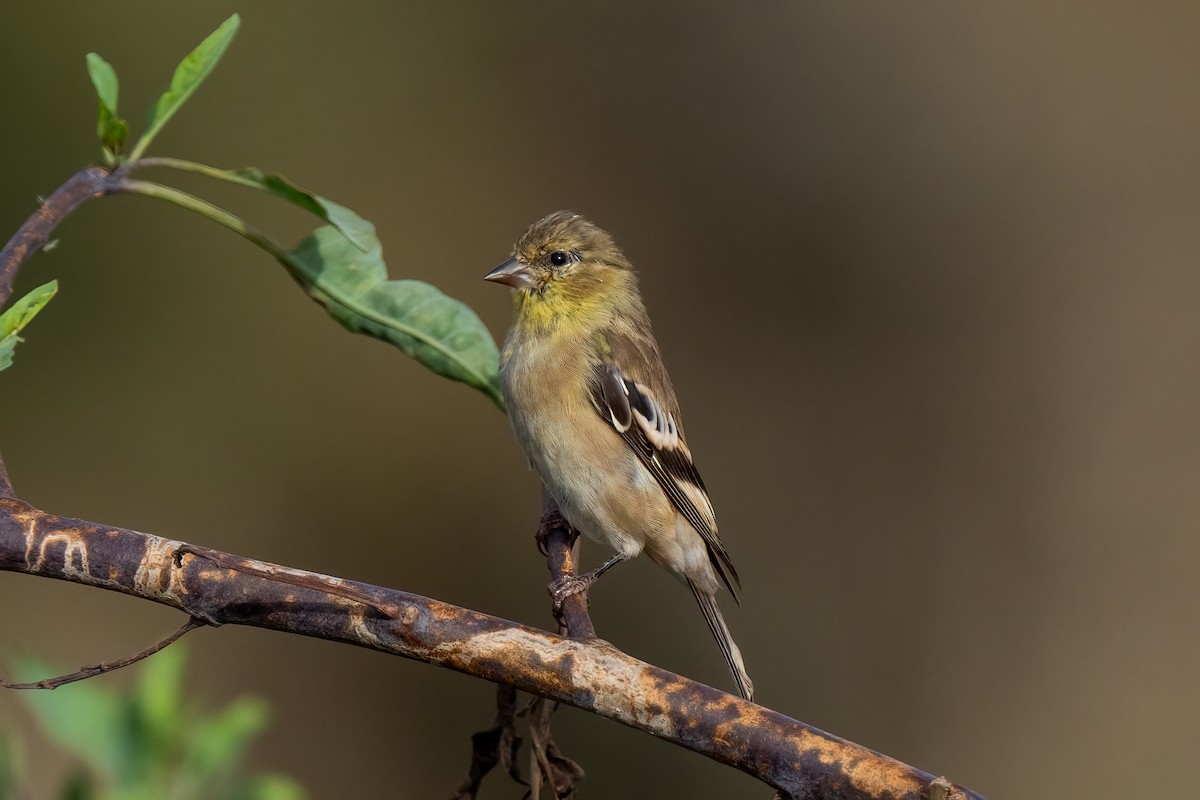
[[223, 589]]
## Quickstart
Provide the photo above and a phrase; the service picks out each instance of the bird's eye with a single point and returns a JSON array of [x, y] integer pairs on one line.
[[559, 259]]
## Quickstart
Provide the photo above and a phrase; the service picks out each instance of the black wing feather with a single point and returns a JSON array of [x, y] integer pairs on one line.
[[616, 398]]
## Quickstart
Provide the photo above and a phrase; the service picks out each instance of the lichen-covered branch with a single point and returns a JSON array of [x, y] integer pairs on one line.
[[798, 760]]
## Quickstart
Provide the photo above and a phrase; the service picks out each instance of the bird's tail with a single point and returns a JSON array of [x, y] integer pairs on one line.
[[716, 623]]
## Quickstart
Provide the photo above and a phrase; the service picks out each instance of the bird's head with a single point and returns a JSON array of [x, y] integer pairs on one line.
[[565, 265]]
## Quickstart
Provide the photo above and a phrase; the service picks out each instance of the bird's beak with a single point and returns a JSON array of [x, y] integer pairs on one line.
[[512, 273]]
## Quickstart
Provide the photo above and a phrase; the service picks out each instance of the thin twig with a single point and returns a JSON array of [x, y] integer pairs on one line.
[[32, 236], [106, 666], [560, 544], [546, 761], [495, 746]]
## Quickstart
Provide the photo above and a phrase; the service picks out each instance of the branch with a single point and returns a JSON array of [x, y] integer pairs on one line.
[[560, 545], [32, 236], [797, 759]]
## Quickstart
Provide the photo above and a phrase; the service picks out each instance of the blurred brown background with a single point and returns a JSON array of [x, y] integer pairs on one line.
[[924, 273]]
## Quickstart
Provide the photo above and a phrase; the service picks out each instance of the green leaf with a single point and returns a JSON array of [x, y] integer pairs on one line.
[[341, 218], [80, 717], [190, 73], [157, 699], [104, 78], [18, 316], [12, 767], [110, 128], [441, 333], [217, 744]]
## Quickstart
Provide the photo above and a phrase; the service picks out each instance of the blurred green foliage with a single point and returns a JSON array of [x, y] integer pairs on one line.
[[148, 742], [12, 759]]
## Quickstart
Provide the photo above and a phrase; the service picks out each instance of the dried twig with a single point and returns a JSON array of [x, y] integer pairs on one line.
[[546, 761], [106, 666], [497, 745]]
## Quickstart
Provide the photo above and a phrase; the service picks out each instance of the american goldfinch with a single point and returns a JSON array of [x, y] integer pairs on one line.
[[592, 406]]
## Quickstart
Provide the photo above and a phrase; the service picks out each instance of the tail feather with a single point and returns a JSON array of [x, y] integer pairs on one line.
[[716, 623]]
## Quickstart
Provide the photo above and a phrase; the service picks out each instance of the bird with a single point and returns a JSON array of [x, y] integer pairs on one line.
[[595, 412]]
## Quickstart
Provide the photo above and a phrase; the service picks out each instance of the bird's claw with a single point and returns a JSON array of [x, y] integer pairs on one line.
[[549, 522], [562, 588]]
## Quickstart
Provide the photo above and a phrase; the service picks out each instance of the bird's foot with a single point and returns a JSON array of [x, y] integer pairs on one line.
[[549, 523], [567, 585], [562, 588]]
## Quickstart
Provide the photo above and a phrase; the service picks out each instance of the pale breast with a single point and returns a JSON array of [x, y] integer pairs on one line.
[[598, 481]]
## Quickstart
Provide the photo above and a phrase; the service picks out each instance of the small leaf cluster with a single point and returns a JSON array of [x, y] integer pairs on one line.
[[147, 743], [188, 76], [340, 265]]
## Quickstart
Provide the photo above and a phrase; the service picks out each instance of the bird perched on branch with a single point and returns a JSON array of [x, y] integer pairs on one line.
[[595, 412]]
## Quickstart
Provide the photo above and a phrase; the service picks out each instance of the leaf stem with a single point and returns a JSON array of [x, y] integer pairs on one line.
[[184, 165], [274, 185], [285, 257], [208, 211]]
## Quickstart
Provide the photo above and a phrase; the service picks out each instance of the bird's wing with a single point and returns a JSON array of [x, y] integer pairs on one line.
[[632, 393]]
